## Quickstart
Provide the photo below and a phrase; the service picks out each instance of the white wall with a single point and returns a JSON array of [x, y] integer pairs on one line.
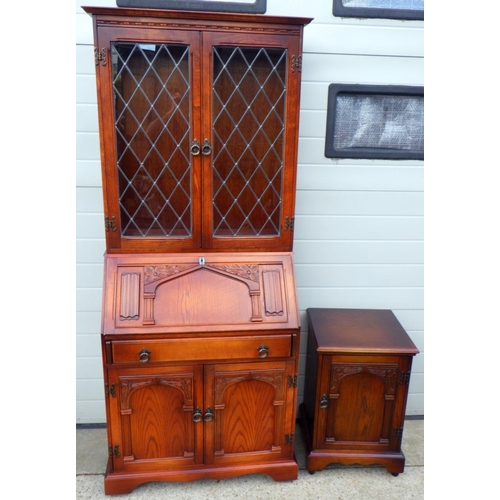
[[359, 223]]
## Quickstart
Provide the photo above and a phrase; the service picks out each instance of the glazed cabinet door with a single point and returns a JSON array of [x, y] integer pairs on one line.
[[252, 413], [199, 134], [149, 115], [155, 417], [250, 106], [359, 403]]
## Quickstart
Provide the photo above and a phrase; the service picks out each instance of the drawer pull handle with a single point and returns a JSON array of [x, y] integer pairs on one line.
[[197, 416], [263, 351], [209, 416], [144, 355], [324, 402]]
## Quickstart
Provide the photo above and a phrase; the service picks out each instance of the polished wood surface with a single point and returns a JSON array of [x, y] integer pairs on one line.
[[174, 293], [357, 376], [247, 20], [359, 330], [176, 349], [193, 395], [198, 122]]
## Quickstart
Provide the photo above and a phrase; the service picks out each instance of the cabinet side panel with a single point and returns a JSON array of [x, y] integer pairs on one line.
[[311, 375]]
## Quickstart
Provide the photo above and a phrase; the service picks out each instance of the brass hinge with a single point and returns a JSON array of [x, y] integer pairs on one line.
[[292, 381], [110, 223], [404, 378], [323, 402], [296, 64], [110, 390], [398, 433], [100, 56], [289, 223], [114, 450], [288, 439]]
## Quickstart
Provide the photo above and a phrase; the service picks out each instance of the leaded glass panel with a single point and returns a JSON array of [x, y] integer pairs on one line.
[[248, 116], [151, 85]]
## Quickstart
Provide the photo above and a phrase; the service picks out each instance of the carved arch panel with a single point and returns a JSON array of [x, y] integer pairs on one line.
[[361, 401], [155, 412], [250, 408], [217, 289]]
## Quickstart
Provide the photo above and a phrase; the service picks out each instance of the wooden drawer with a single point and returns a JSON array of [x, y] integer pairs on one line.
[[193, 349]]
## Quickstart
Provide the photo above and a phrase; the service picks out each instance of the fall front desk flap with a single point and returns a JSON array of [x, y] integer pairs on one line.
[[169, 293]]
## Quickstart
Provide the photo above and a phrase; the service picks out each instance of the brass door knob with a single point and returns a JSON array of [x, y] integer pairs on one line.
[[209, 416], [206, 149], [195, 148], [197, 416]]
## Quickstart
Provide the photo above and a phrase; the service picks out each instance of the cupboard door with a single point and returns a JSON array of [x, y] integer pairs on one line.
[[252, 412], [250, 93], [357, 404], [155, 422], [149, 121]]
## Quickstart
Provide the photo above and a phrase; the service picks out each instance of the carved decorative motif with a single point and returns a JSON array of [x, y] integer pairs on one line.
[[185, 385], [222, 382], [156, 273], [247, 271], [127, 387], [129, 307], [272, 293], [275, 379], [387, 373], [339, 372], [148, 309], [199, 26]]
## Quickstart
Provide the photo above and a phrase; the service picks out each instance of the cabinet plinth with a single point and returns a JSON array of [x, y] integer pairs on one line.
[[357, 376]]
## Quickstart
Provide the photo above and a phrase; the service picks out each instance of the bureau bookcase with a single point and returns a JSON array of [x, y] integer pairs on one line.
[[198, 124]]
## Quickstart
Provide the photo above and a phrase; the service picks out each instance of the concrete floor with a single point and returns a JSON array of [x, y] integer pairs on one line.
[[333, 483]]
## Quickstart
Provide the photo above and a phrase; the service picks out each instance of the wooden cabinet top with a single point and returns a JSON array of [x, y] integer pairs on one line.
[[369, 331], [215, 17]]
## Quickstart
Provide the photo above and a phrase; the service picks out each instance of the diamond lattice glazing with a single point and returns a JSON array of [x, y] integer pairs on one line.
[[248, 111], [152, 124]]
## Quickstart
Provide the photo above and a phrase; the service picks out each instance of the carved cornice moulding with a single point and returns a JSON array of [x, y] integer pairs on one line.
[[198, 26]]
